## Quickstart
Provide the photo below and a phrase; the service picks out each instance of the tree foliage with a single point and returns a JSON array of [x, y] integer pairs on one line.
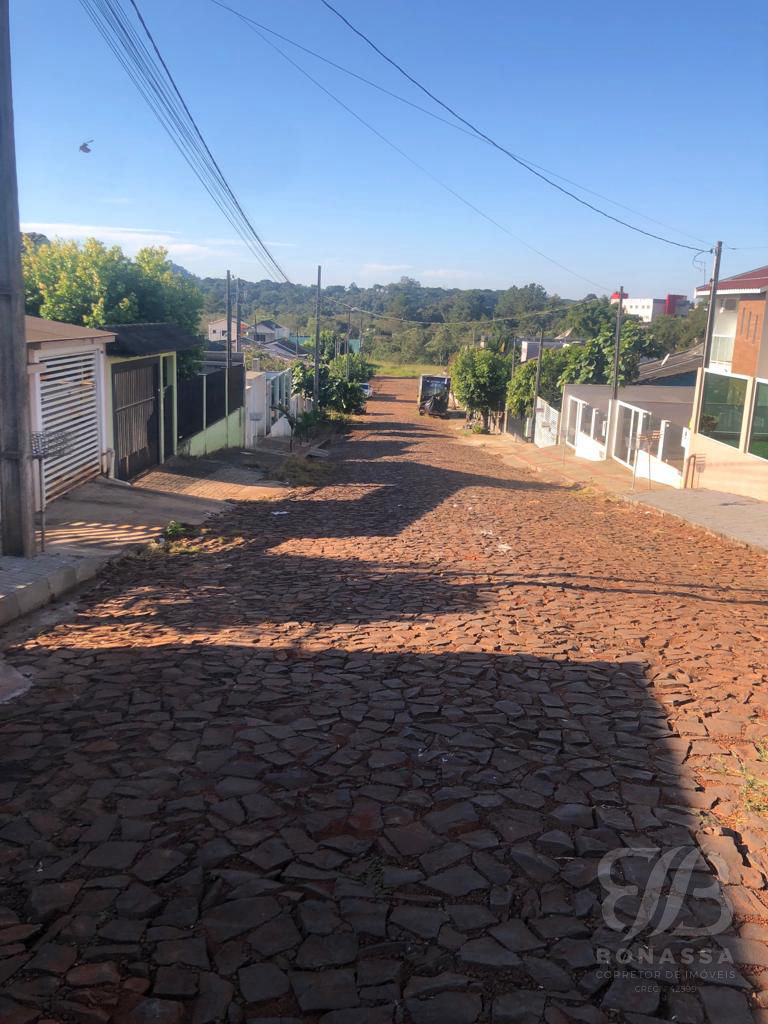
[[336, 392], [522, 386], [479, 380], [590, 363], [94, 285]]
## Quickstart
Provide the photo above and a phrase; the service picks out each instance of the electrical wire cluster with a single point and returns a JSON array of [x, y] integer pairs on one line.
[[145, 66]]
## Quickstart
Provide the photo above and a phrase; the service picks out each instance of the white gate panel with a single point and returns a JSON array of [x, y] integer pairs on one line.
[[69, 401]]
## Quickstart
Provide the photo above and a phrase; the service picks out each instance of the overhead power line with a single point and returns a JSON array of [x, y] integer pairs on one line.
[[406, 156], [153, 79], [443, 120], [564, 308], [502, 149]]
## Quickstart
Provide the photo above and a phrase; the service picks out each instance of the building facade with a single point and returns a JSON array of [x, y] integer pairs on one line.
[[729, 444], [649, 310]]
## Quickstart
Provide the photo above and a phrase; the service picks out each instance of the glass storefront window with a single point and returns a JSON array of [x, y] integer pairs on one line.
[[758, 435], [722, 408]]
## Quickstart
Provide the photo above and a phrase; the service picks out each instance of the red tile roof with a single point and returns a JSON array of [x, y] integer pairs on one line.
[[748, 281]]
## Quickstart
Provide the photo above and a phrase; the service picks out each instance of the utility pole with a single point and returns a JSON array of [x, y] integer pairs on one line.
[[537, 385], [709, 331], [617, 345], [229, 319], [349, 331], [316, 384], [237, 314], [361, 332], [16, 496]]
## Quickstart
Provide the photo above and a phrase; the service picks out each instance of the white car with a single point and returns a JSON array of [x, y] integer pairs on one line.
[[367, 390]]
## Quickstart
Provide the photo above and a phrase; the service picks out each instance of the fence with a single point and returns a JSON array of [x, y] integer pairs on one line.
[[190, 417], [235, 387], [547, 425], [203, 400]]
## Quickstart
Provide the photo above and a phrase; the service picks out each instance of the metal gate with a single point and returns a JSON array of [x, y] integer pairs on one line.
[[135, 390], [69, 402]]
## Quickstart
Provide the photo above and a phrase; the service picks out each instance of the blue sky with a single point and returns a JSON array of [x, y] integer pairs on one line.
[[620, 98]]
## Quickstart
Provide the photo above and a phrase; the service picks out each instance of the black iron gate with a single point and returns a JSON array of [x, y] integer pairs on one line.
[[135, 390]]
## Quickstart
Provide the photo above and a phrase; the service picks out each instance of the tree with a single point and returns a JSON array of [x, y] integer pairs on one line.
[[675, 333], [521, 388], [93, 285], [337, 393], [354, 366], [479, 379], [590, 318]]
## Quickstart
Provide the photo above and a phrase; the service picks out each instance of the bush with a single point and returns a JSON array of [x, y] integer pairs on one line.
[[479, 379]]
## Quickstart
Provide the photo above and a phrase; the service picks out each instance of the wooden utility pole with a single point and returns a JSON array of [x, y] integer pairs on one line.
[[237, 314], [617, 345], [537, 385], [16, 496], [316, 383], [708, 333], [229, 319]]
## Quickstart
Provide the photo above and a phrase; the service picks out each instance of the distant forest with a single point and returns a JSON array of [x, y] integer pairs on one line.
[[455, 316], [407, 298]]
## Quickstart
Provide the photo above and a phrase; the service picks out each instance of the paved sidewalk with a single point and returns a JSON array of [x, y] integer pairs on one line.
[[359, 760]]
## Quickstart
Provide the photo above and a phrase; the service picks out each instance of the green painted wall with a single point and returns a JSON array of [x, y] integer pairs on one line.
[[226, 433]]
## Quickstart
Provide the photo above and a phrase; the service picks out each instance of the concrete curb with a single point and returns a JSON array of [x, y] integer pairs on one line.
[[61, 573]]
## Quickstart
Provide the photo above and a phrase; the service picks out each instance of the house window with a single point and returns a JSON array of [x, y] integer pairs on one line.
[[758, 434], [722, 408]]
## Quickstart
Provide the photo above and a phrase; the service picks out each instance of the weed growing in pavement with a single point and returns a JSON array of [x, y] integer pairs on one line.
[[175, 531], [300, 472], [754, 792]]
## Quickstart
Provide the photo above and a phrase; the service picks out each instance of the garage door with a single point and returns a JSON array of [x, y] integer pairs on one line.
[[69, 402]]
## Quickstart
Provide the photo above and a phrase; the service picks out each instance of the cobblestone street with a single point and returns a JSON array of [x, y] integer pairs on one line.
[[353, 756]]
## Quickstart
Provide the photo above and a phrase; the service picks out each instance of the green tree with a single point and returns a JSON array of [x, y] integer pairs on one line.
[[675, 333], [93, 285], [521, 388], [356, 366], [479, 378], [336, 393], [588, 319]]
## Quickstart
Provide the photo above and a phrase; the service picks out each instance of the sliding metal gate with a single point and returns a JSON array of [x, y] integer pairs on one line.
[[69, 402], [135, 391]]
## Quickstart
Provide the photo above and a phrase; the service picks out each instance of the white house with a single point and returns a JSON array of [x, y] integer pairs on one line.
[[217, 329], [267, 331]]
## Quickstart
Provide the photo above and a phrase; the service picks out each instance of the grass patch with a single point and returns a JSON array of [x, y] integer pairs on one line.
[[300, 472], [387, 369]]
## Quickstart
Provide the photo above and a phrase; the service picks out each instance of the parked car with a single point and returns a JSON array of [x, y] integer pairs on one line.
[[367, 390]]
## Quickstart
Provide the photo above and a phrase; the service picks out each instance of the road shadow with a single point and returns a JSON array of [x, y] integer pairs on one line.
[[457, 829]]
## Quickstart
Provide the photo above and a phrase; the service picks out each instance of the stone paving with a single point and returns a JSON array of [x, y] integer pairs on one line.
[[355, 757]]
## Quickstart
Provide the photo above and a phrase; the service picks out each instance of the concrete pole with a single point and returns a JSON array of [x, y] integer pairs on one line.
[[617, 345], [708, 333], [316, 383], [537, 385], [17, 529]]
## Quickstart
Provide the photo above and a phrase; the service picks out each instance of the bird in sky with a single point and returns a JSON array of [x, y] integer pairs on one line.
[[85, 146]]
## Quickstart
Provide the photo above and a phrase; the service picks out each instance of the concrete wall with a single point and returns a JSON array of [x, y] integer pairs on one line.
[[660, 472], [226, 433]]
